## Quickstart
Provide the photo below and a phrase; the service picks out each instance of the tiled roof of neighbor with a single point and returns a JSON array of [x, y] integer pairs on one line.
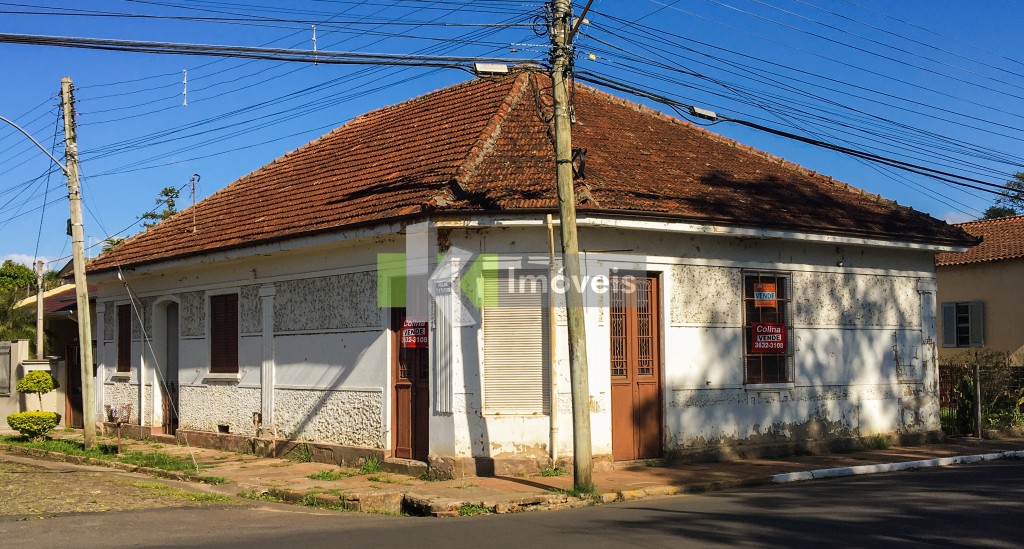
[[61, 299], [486, 145], [1002, 238]]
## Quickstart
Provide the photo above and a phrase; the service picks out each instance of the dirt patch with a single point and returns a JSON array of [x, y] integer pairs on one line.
[[33, 492]]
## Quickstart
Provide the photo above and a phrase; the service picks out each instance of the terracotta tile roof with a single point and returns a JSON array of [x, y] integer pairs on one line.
[[1002, 238], [486, 145]]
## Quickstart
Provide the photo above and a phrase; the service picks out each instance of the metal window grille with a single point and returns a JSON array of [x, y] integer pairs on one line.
[[763, 367]]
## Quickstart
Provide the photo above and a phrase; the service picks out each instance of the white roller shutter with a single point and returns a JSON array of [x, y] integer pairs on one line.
[[516, 348]]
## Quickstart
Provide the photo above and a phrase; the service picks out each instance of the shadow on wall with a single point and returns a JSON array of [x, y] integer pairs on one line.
[[861, 374]]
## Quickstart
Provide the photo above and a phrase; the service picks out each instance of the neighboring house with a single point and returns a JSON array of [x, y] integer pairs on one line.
[[981, 291], [60, 324], [736, 303]]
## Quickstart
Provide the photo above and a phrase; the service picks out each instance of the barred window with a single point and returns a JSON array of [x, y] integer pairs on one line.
[[767, 328]]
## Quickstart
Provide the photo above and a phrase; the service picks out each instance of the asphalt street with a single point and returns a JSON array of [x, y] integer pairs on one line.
[[974, 505]]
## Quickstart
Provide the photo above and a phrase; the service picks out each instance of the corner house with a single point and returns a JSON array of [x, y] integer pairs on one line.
[[386, 290]]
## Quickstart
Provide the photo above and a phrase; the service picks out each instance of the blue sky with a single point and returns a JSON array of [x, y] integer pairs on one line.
[[934, 83]]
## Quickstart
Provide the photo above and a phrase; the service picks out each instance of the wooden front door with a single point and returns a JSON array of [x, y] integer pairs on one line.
[[635, 367], [411, 395], [169, 385], [73, 404]]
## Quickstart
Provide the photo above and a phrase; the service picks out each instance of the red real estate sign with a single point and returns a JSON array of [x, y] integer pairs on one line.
[[767, 338], [414, 334]]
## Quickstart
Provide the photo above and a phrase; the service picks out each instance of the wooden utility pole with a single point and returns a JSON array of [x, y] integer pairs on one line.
[[39, 310], [578, 376], [78, 257]]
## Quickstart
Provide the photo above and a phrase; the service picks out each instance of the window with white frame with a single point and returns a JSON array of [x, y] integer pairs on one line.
[[963, 324]]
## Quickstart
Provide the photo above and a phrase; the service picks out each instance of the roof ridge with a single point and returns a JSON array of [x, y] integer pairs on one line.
[[490, 133], [990, 221], [825, 179]]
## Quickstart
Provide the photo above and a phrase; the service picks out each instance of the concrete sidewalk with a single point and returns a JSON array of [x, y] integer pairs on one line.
[[378, 491]]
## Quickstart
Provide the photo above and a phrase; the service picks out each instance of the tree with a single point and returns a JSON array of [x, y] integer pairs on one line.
[[166, 198], [15, 323], [35, 425], [995, 212], [1007, 206], [111, 242], [52, 279], [16, 277]]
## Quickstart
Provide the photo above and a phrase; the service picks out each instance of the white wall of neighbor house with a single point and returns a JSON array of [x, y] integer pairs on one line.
[[329, 343], [863, 337]]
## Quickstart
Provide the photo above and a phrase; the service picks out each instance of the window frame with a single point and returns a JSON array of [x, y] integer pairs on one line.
[[784, 308], [963, 335], [124, 338], [223, 355]]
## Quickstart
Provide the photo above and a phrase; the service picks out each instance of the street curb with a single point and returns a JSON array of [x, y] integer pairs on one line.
[[836, 472]]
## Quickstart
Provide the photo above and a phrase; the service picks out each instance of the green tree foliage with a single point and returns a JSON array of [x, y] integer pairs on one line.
[[52, 279], [17, 277], [166, 199], [15, 323], [1007, 206], [110, 243], [38, 382]]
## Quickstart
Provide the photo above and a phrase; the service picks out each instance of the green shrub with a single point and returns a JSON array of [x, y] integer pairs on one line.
[[39, 382], [33, 425]]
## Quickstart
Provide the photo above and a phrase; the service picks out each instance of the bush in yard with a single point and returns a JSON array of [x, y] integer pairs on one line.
[[33, 424]]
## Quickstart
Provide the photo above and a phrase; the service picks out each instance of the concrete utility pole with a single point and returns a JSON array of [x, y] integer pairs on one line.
[[39, 310], [560, 58], [78, 253]]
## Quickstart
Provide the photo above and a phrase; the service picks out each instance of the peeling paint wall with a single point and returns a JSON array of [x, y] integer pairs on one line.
[[706, 295], [846, 299], [349, 417]]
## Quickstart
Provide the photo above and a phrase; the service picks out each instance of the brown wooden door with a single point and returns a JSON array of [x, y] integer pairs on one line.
[[73, 404], [411, 395], [169, 385], [635, 367]]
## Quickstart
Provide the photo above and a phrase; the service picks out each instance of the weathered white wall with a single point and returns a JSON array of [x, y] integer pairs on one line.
[[862, 344], [330, 345]]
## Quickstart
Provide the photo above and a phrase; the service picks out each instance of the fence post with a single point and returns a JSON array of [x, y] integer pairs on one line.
[[977, 398]]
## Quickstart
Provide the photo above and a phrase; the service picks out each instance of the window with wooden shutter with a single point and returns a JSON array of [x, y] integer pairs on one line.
[[517, 346], [224, 334], [963, 324], [124, 338]]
